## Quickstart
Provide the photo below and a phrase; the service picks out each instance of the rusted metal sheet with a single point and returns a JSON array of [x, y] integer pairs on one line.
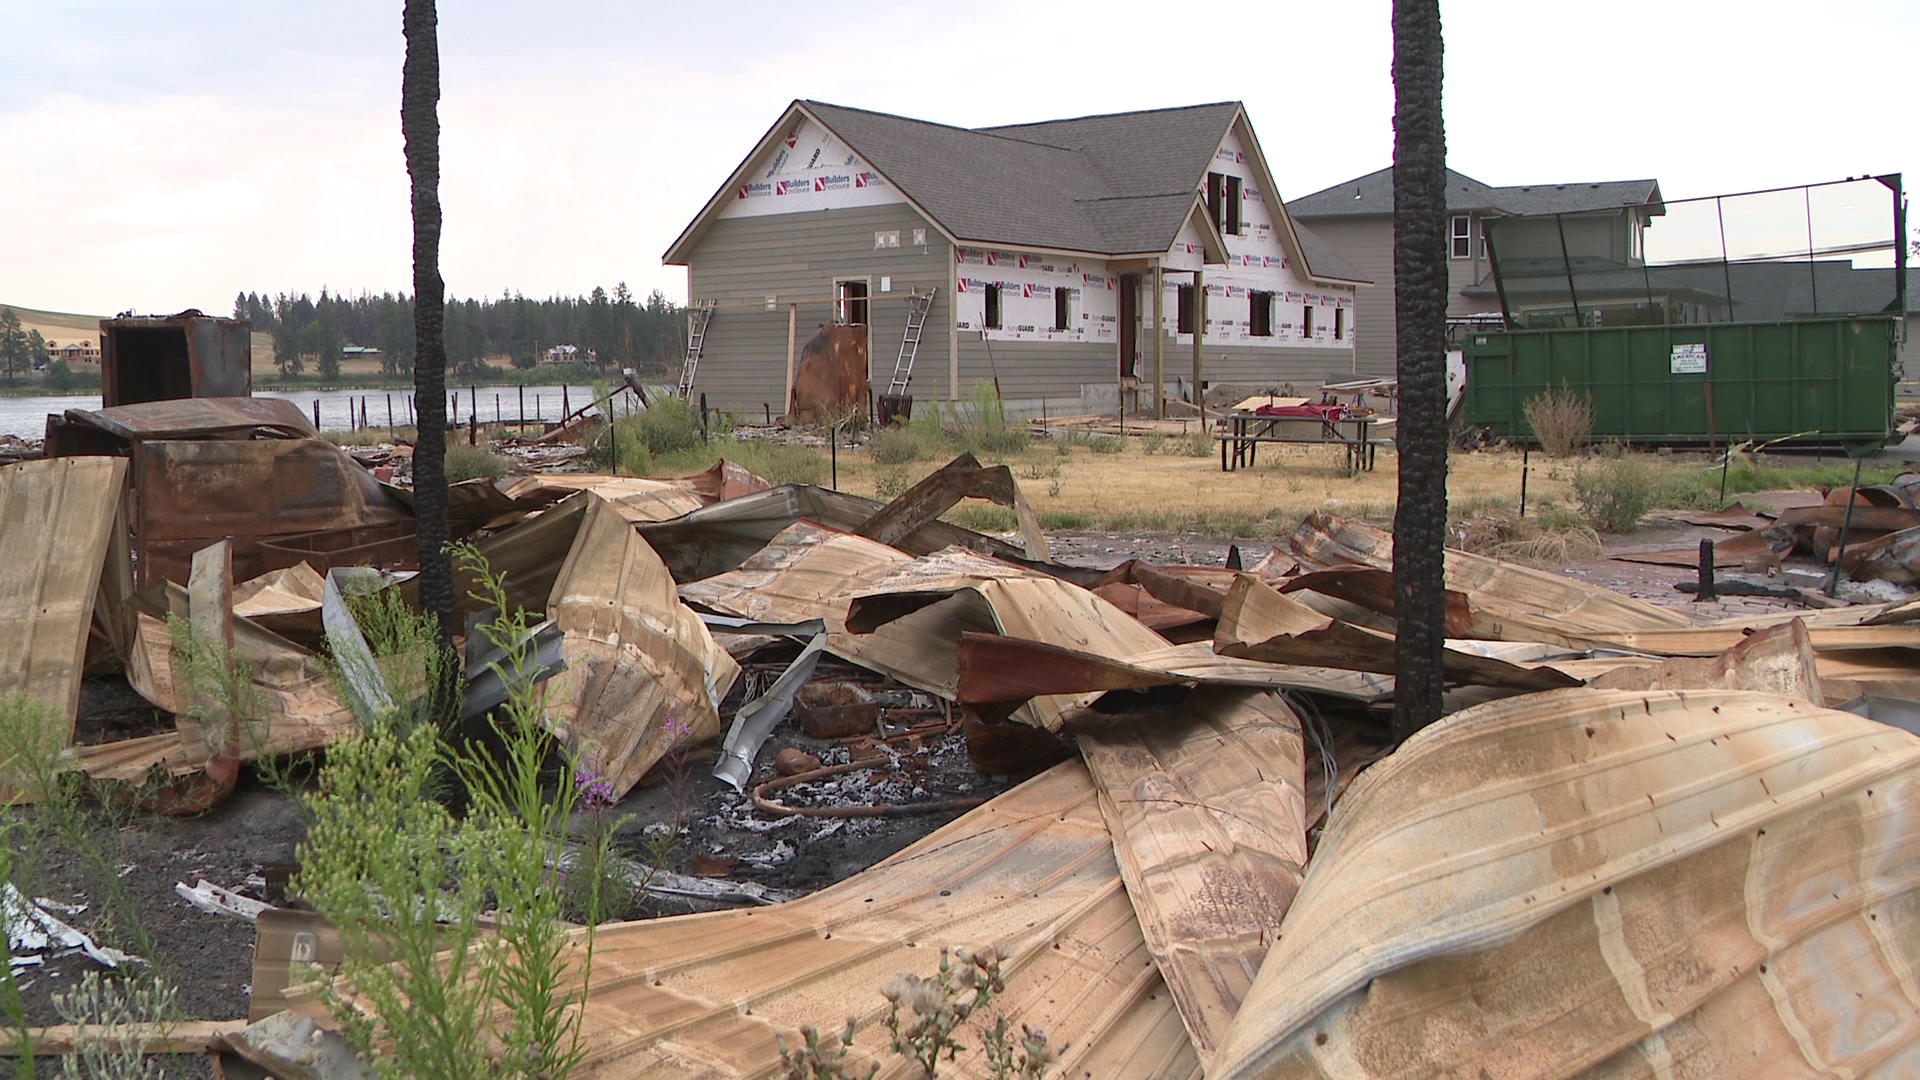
[[1018, 604], [1372, 589], [831, 379], [191, 492], [1205, 802], [198, 418], [57, 518], [1530, 605], [1777, 659], [941, 490], [1718, 638], [188, 355], [1735, 550], [1032, 871], [1710, 884], [996, 668], [717, 538], [643, 674], [1259, 623], [636, 498]]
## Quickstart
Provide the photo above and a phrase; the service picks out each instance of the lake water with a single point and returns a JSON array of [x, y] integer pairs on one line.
[[339, 409]]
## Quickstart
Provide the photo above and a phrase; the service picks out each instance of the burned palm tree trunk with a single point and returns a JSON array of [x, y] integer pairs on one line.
[[420, 124], [1420, 305]]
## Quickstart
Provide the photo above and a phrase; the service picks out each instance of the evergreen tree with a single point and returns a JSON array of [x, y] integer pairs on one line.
[[13, 343]]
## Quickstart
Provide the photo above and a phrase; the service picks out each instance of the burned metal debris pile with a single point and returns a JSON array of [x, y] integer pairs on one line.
[[1640, 841]]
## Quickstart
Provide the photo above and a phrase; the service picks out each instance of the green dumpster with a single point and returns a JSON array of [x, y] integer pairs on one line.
[[1825, 381]]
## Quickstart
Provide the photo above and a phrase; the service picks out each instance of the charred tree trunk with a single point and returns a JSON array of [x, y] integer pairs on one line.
[[420, 125], [1420, 305]]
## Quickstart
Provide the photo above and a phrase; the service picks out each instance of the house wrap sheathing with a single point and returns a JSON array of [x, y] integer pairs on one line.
[[1039, 245]]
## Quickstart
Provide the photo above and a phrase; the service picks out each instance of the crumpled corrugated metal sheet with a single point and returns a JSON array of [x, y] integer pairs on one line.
[[198, 418], [58, 517], [997, 668], [1259, 623], [1709, 884], [636, 498], [1032, 871], [1777, 659], [1541, 606], [718, 538], [940, 490], [1014, 602], [1206, 806], [636, 656]]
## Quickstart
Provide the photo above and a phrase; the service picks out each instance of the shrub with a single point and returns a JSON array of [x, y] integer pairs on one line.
[[1561, 419], [665, 426], [902, 444], [1106, 444], [793, 465], [1196, 444], [979, 423], [465, 462], [1615, 490]]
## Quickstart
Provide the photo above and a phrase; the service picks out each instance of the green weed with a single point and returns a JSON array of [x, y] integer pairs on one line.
[[466, 462]]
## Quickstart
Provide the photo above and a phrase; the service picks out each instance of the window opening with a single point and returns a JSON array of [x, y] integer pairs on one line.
[[1462, 237], [1183, 306], [1260, 314], [1306, 321], [993, 307], [1062, 308]]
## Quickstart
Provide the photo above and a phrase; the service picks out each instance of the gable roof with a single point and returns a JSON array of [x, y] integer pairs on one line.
[[1118, 185], [1373, 194]]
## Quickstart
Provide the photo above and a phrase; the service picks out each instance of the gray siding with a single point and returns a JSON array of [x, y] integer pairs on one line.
[[1031, 370], [741, 261], [1367, 243]]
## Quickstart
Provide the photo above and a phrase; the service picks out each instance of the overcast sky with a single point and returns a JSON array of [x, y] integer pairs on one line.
[[168, 155]]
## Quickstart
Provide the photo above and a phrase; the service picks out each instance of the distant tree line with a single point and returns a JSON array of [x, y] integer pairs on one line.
[[619, 330], [19, 349]]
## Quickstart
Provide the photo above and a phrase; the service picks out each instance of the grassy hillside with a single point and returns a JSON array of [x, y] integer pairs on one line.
[[62, 327], [58, 325]]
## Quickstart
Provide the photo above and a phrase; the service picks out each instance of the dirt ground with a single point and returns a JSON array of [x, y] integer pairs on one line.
[[248, 843]]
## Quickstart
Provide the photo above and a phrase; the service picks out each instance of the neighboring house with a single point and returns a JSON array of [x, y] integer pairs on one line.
[[1355, 219], [1040, 245], [75, 352], [569, 354]]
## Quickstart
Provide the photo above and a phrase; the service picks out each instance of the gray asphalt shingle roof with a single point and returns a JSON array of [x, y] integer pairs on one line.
[[1120, 184], [1373, 194]]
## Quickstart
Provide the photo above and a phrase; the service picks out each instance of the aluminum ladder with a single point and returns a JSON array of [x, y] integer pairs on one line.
[[697, 321], [917, 307]]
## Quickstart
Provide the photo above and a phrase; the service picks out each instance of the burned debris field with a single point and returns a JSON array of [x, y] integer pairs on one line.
[[737, 758]]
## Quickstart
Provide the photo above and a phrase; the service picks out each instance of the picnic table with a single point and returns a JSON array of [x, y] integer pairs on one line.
[[1246, 429]]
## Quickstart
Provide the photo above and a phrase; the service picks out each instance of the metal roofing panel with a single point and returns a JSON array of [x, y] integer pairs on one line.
[[1033, 871], [1538, 605], [1716, 883], [1205, 800], [57, 516], [197, 418], [636, 656]]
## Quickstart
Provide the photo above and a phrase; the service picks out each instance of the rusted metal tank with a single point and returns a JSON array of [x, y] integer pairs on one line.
[[831, 377], [163, 357], [249, 470]]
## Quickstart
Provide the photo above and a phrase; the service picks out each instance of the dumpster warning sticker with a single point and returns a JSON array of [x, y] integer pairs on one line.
[[1689, 359]]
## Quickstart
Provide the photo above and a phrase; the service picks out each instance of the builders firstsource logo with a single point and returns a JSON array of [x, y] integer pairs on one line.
[[755, 190]]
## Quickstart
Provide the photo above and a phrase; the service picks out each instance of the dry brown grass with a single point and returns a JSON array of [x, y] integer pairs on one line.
[[1134, 490], [1552, 541]]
